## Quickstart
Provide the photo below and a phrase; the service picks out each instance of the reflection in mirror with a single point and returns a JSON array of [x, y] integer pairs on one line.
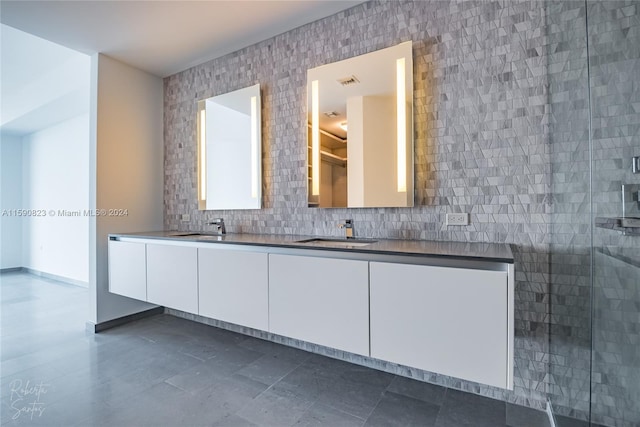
[[360, 133], [229, 149]]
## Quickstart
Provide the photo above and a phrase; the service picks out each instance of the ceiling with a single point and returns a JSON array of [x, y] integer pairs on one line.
[[41, 83], [166, 36], [44, 67]]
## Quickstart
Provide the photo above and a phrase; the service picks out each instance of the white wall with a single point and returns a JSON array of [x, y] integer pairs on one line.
[[127, 170], [372, 154], [10, 198], [56, 180]]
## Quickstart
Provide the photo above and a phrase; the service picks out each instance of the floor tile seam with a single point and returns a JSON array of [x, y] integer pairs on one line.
[[311, 403], [380, 396], [257, 380], [196, 391], [417, 401], [441, 408], [364, 420], [192, 356]]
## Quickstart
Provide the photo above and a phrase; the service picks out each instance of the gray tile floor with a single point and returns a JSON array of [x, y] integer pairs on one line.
[[166, 371]]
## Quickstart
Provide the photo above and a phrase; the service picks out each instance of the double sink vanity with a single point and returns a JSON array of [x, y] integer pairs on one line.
[[442, 307]]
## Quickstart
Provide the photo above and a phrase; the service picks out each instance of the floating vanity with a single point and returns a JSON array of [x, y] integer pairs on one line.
[[442, 307]]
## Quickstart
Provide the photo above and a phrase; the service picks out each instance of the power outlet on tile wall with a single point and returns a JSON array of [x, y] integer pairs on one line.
[[185, 218], [457, 219]]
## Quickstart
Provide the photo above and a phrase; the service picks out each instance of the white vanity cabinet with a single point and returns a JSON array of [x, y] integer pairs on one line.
[[234, 287], [320, 300], [128, 269], [453, 321], [172, 276], [450, 315]]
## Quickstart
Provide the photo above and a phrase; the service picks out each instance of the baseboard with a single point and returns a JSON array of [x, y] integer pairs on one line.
[[549, 410], [55, 277], [102, 326], [44, 275]]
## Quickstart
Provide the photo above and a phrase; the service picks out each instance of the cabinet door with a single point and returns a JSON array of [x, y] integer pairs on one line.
[[172, 277], [320, 300], [128, 269], [233, 287], [445, 320]]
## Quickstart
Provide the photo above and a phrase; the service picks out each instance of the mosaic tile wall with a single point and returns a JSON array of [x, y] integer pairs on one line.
[[612, 390], [614, 54], [481, 142], [616, 358], [570, 250]]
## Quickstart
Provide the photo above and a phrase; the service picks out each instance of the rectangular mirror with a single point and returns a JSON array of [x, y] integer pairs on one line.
[[360, 131], [229, 151]]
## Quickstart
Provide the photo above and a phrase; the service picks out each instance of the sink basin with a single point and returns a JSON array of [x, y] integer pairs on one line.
[[343, 243]]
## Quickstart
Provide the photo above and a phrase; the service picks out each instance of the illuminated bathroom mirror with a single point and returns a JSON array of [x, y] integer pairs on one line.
[[229, 151], [360, 131]]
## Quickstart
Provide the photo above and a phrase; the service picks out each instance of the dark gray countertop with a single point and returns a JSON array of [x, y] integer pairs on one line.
[[496, 252]]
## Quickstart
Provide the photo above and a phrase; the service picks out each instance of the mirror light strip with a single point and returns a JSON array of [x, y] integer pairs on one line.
[[254, 147], [401, 124], [315, 139], [203, 158]]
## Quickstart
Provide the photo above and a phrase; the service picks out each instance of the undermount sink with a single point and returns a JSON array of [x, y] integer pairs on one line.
[[346, 243]]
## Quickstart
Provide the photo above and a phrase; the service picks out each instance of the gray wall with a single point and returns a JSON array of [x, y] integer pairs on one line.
[[481, 141]]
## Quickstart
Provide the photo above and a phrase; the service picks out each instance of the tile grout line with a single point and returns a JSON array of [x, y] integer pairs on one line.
[[441, 407]]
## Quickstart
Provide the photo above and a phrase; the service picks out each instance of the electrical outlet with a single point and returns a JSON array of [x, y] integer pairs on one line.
[[185, 218], [457, 219]]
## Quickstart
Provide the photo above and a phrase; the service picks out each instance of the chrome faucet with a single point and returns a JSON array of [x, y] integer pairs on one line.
[[348, 228], [218, 226]]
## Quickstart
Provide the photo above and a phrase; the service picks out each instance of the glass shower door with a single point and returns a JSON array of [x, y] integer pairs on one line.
[[614, 70]]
